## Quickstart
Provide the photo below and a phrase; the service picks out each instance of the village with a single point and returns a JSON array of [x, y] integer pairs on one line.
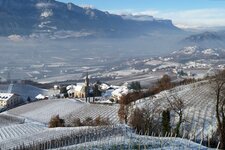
[[18, 93]]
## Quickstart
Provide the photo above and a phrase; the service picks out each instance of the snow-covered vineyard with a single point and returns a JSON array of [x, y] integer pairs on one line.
[[19, 130], [6, 120], [42, 111], [199, 113], [113, 137], [25, 127]]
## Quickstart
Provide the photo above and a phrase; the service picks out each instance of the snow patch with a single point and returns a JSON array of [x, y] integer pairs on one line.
[[154, 62], [90, 13], [210, 51], [43, 24], [87, 6], [47, 13], [188, 50]]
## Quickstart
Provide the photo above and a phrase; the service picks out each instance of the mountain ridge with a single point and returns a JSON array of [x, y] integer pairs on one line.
[[25, 17]]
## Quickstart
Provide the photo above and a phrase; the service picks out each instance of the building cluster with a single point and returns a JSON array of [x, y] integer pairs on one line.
[[15, 94], [18, 94], [9, 100], [99, 91]]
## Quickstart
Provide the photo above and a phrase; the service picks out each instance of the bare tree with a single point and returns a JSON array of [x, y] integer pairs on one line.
[[218, 85], [123, 113], [146, 119], [126, 105], [177, 105]]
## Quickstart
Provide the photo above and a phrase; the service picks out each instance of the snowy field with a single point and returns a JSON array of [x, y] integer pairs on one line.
[[60, 78], [144, 79]]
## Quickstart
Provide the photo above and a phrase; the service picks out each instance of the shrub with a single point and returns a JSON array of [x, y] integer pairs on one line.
[[99, 121], [77, 122], [88, 122], [56, 121]]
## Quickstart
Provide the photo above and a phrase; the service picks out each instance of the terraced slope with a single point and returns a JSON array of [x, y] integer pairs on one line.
[[19, 130], [6, 120], [68, 109], [200, 108], [93, 111], [42, 111]]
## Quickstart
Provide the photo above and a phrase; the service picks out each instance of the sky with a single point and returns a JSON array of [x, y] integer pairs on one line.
[[183, 13]]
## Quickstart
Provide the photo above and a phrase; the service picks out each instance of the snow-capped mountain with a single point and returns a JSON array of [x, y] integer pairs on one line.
[[196, 52], [32, 17], [188, 50]]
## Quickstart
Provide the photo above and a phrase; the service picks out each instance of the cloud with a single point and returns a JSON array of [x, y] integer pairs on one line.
[[188, 18], [86, 6], [15, 38], [197, 17], [44, 5]]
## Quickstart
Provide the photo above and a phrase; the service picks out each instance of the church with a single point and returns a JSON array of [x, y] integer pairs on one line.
[[82, 89]]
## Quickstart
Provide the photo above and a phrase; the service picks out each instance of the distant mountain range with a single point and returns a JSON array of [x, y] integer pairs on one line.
[[50, 17], [203, 37], [206, 39]]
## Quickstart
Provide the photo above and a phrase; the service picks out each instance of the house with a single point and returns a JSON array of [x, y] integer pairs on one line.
[[26, 91], [9, 100], [70, 90], [121, 91], [41, 97]]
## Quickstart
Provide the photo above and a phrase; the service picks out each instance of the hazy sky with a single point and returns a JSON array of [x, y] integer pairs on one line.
[[184, 13]]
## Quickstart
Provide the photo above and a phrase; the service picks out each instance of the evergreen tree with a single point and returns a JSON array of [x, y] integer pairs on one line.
[[166, 122], [135, 86], [28, 99]]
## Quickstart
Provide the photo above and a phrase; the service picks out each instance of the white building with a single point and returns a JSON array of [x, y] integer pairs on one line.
[[9, 100], [121, 91]]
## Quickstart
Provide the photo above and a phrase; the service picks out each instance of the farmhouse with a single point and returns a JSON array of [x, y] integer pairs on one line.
[[9, 100]]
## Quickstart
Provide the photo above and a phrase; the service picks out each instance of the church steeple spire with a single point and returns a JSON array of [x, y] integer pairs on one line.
[[86, 80], [86, 86]]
